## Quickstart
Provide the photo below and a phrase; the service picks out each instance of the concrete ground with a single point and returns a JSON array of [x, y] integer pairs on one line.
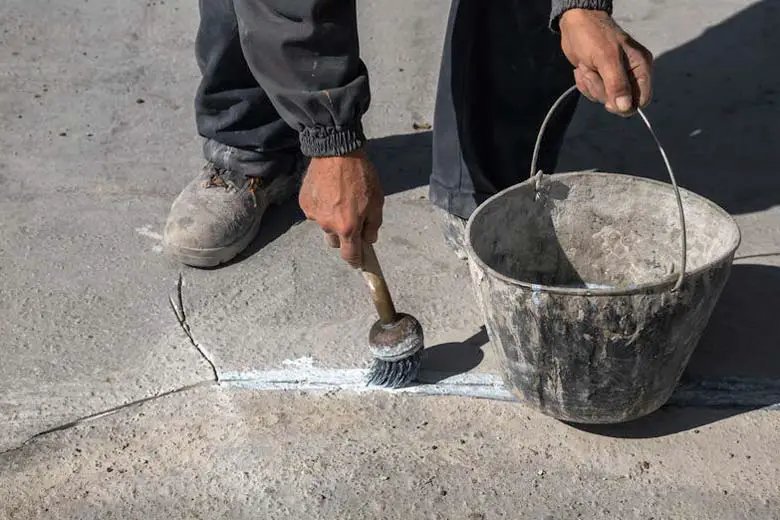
[[108, 410]]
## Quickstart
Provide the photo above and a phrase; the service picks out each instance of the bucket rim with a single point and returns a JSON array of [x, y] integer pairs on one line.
[[656, 286]]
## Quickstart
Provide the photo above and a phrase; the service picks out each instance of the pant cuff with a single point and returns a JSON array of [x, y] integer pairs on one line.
[[459, 204], [252, 163], [330, 142]]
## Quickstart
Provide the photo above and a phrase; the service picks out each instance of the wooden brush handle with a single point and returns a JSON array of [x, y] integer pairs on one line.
[[372, 272]]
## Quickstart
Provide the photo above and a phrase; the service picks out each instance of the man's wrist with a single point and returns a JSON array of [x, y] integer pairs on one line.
[[576, 15], [561, 7]]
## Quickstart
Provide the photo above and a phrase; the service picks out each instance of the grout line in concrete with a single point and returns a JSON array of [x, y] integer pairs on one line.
[[749, 393], [476, 385], [724, 392]]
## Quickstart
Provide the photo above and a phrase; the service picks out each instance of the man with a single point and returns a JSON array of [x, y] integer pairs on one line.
[[283, 81]]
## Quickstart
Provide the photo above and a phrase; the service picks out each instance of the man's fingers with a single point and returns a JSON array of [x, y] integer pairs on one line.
[[583, 85], [595, 85], [369, 236], [352, 250], [619, 94], [348, 240], [640, 61], [371, 226], [332, 239], [643, 91]]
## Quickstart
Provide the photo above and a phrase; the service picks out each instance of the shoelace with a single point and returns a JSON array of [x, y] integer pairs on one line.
[[254, 183], [216, 180]]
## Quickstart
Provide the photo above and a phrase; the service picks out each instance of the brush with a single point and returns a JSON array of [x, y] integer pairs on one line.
[[396, 339]]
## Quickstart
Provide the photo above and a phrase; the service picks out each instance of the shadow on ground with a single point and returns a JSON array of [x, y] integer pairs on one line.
[[716, 110], [666, 421], [715, 107], [742, 338], [741, 344], [402, 161], [450, 359]]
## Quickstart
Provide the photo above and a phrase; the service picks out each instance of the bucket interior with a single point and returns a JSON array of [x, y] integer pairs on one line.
[[597, 230]]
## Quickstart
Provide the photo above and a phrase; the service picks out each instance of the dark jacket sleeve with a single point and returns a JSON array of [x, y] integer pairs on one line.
[[561, 6], [305, 55]]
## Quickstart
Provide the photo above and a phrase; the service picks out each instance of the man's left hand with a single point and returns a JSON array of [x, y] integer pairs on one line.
[[610, 66]]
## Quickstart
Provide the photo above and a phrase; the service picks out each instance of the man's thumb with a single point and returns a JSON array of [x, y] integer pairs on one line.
[[616, 82]]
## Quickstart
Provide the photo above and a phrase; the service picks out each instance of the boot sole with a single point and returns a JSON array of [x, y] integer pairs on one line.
[[284, 188]]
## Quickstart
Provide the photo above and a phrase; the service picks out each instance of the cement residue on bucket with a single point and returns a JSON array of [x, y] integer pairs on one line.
[[578, 289], [596, 233]]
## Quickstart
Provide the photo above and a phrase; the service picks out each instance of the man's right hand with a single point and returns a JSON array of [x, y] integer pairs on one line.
[[343, 195]]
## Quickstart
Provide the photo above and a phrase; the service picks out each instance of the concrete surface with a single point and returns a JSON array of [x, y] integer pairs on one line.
[[97, 138], [213, 453]]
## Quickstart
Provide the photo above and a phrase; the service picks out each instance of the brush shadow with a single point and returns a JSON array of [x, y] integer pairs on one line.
[[449, 359]]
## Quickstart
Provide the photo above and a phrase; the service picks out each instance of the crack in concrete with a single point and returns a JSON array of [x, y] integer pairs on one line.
[[177, 305], [105, 413], [749, 394], [730, 392], [733, 392], [178, 310]]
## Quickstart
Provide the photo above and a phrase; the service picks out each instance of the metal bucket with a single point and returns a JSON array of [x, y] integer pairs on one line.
[[596, 287]]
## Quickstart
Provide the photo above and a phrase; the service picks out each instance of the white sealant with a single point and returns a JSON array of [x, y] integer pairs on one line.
[[302, 375], [304, 362], [148, 233]]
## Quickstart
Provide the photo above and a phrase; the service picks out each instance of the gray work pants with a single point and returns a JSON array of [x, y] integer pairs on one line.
[[501, 69]]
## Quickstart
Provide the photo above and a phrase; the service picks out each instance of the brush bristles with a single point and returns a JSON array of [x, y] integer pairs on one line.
[[395, 374]]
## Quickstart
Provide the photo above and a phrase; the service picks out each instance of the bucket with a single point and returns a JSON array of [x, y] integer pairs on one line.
[[596, 287]]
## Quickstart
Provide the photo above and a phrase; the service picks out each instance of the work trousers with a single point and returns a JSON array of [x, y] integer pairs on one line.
[[502, 68]]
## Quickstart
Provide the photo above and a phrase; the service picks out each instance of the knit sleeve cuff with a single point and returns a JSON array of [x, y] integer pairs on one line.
[[330, 142], [561, 6]]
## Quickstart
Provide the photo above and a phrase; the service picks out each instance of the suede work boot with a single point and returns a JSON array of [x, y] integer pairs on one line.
[[218, 214]]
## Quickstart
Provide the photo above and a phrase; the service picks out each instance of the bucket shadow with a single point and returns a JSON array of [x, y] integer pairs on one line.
[[403, 162], [741, 343], [666, 421], [742, 339], [450, 359], [715, 107]]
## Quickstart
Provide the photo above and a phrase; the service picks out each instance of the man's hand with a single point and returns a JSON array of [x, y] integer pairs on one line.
[[610, 66], [343, 195]]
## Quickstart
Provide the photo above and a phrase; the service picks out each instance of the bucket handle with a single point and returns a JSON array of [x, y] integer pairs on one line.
[[538, 175]]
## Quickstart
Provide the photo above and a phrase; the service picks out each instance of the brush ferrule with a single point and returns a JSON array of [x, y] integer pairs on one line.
[[395, 341]]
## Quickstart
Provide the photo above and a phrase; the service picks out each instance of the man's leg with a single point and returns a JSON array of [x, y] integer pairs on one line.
[[502, 69], [253, 155]]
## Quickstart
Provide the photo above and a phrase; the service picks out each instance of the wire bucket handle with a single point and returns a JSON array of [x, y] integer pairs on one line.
[[538, 175]]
